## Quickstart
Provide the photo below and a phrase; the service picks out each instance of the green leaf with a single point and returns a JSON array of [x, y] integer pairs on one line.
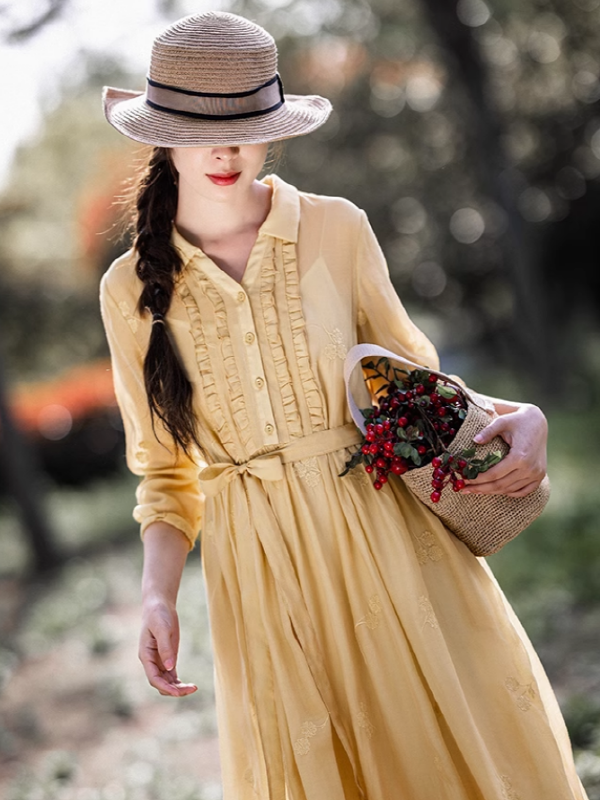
[[401, 434], [462, 413], [446, 391], [353, 462], [403, 449], [408, 451], [491, 460], [468, 453]]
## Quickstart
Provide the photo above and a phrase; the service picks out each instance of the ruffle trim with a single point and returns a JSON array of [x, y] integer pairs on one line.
[[286, 255], [237, 401], [272, 329], [205, 369]]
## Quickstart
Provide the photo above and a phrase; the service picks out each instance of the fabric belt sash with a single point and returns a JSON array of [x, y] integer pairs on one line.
[[260, 555], [269, 466]]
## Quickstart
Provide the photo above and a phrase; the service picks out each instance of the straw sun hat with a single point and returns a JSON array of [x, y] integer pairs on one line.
[[213, 81]]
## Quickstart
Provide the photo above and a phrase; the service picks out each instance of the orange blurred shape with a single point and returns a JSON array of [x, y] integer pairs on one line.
[[331, 64], [50, 407]]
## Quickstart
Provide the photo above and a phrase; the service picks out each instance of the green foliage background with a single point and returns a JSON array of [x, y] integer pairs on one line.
[[479, 168]]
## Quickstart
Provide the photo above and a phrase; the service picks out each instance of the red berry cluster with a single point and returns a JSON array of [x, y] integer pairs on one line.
[[447, 471], [416, 417]]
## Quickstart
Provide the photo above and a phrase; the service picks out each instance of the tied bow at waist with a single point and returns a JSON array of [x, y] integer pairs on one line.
[[269, 466]]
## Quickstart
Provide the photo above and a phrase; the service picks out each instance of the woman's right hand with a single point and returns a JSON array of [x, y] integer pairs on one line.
[[159, 645]]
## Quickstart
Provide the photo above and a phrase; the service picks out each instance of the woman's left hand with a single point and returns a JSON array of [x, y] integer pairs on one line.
[[522, 470]]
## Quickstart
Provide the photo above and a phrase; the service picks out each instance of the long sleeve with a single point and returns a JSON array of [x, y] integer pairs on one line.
[[169, 489], [382, 319]]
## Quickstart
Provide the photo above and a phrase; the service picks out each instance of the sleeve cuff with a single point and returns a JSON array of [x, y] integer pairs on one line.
[[171, 519]]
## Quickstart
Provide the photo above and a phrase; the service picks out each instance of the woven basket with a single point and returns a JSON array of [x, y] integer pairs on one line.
[[485, 523]]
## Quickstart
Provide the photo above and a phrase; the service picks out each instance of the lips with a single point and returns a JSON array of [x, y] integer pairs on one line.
[[224, 179]]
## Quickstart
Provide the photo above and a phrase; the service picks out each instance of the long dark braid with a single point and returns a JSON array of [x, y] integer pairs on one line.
[[168, 388]]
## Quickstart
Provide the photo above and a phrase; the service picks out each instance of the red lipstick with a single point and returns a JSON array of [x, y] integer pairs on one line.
[[224, 179]]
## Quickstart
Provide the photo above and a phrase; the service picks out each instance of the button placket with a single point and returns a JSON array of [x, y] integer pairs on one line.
[[260, 403]]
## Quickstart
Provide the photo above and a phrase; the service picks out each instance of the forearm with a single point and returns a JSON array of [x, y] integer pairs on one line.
[[165, 552]]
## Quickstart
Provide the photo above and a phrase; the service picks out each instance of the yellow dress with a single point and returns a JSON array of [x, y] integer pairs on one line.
[[360, 650]]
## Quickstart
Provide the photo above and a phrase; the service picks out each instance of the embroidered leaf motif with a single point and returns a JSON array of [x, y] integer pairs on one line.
[[301, 746], [132, 321], [337, 347], [428, 549], [427, 612], [371, 618], [308, 729], [364, 721], [524, 694], [308, 470], [508, 793]]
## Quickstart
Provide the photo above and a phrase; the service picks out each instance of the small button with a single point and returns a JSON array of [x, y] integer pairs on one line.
[[269, 428], [241, 297], [249, 337], [259, 383]]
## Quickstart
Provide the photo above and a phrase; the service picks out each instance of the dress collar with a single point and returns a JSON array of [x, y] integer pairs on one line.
[[282, 221]]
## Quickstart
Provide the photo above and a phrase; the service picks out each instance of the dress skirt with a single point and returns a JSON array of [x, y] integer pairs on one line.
[[361, 651]]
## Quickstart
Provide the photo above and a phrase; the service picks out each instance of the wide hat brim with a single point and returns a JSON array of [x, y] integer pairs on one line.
[[129, 113]]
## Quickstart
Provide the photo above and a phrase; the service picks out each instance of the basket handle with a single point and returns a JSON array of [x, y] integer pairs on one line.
[[360, 351]]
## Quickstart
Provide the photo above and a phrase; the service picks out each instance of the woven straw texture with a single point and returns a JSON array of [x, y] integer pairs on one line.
[[213, 52], [485, 523]]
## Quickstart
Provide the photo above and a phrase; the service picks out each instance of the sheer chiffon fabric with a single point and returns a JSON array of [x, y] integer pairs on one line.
[[361, 651]]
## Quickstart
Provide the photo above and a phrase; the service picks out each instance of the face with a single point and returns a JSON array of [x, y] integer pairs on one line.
[[219, 172]]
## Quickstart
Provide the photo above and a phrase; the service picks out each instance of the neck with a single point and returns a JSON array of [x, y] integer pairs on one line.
[[203, 220]]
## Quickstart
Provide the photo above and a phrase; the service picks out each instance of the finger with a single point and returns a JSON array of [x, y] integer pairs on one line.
[[531, 487], [173, 689], [513, 484], [501, 470], [167, 649], [513, 462], [166, 682], [495, 428]]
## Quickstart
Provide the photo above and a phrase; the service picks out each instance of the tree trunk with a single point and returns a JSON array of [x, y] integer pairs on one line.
[[530, 330], [21, 479]]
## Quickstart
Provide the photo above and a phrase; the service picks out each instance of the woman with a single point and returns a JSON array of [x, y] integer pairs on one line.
[[360, 650]]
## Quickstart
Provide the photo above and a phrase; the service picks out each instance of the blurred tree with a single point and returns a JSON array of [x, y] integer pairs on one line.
[[56, 232], [20, 475], [468, 131], [55, 218], [454, 22], [20, 24]]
